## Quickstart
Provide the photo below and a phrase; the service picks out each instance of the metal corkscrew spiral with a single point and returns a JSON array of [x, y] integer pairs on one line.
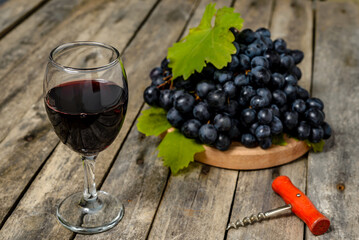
[[258, 218]]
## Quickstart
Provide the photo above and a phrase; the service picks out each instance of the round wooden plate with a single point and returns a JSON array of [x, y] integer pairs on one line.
[[241, 158]]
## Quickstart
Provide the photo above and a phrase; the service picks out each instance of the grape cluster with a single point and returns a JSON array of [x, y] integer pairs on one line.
[[255, 97]]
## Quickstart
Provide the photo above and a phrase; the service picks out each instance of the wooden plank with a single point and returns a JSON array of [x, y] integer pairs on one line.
[[14, 11], [254, 193], [18, 43], [197, 202], [333, 175], [37, 207]]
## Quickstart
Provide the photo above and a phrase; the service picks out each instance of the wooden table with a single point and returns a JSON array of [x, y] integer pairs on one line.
[[37, 171]]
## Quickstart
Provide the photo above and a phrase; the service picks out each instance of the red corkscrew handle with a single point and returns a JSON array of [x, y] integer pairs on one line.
[[301, 205]]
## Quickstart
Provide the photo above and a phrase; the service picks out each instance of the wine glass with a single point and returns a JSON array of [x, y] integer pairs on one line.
[[86, 95]]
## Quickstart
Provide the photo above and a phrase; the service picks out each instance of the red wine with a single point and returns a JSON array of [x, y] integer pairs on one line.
[[87, 114]]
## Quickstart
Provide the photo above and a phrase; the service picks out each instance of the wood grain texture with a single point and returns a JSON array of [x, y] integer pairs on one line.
[[12, 12], [333, 175], [22, 40], [46, 199], [254, 191], [22, 152]]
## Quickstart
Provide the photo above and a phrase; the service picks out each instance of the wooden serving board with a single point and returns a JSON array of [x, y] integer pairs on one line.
[[241, 158]]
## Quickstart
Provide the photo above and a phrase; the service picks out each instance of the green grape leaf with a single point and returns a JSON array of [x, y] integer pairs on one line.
[[279, 140], [205, 43], [317, 147], [153, 121], [178, 151]]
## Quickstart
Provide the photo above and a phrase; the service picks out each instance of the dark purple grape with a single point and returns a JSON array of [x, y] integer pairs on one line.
[[232, 108], [302, 93], [327, 130], [201, 112], [175, 118], [260, 75], [222, 122], [258, 102], [290, 120], [230, 89], [246, 36], [265, 93], [279, 97], [315, 103], [316, 134], [259, 61], [203, 88], [263, 32], [297, 55], [286, 62], [253, 128], [303, 130], [164, 64], [299, 106], [253, 50], [290, 91], [291, 79], [314, 116], [244, 62], [190, 128], [280, 45], [234, 133], [263, 131], [265, 143], [223, 142], [165, 99], [277, 81], [208, 134], [241, 80], [234, 63], [273, 58], [156, 72], [248, 116], [184, 103], [265, 116], [296, 72], [276, 126], [151, 95], [216, 99], [222, 76], [249, 141], [157, 81], [275, 110], [236, 45], [247, 92]]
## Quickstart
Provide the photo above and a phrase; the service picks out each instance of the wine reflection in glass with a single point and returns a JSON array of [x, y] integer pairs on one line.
[[86, 95]]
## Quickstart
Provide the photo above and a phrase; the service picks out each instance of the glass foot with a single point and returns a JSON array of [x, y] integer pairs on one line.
[[89, 217]]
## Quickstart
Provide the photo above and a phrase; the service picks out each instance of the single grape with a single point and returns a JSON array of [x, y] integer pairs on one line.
[[165, 99], [327, 130], [275, 110], [175, 118], [265, 143], [280, 45], [253, 50], [259, 61], [232, 108], [184, 103], [276, 126], [302, 93], [222, 122], [264, 32], [203, 88], [314, 116], [223, 142], [296, 72], [248, 116], [246, 36], [290, 120], [291, 92], [276, 81], [286, 62], [291, 79], [265, 116], [190, 128], [297, 55], [303, 130], [273, 58], [279, 97], [156, 72], [241, 80], [247, 92], [201, 112], [222, 76], [252, 129], [157, 81], [265, 93], [268, 42], [208, 134], [248, 140], [230, 89], [260, 75], [151, 95], [237, 48], [316, 134], [315, 103], [262, 132], [244, 62], [258, 102], [216, 99], [299, 106], [164, 64], [234, 63], [180, 83]]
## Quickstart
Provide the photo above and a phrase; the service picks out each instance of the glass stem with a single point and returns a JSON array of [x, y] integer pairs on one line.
[[90, 193]]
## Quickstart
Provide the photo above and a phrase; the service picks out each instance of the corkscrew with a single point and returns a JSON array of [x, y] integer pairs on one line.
[[296, 201]]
